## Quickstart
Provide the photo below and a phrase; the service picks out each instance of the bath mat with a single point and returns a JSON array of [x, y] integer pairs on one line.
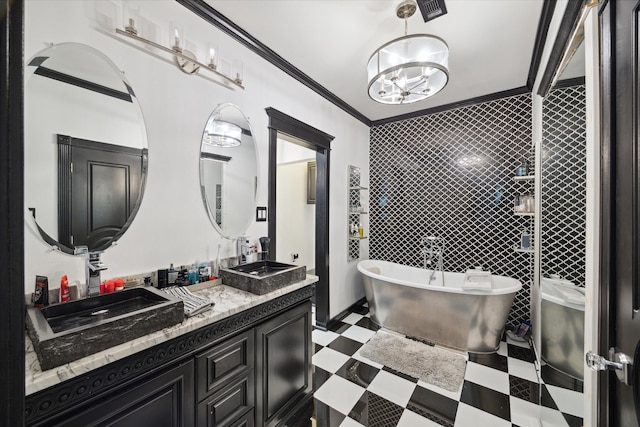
[[433, 365]]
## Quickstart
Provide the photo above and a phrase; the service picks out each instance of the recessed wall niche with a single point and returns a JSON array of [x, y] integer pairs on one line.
[[450, 175]]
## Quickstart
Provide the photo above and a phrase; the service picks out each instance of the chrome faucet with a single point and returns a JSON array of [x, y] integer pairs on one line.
[[242, 248], [93, 268], [433, 247]]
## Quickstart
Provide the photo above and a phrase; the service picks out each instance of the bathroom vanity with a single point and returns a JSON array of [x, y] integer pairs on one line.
[[245, 362]]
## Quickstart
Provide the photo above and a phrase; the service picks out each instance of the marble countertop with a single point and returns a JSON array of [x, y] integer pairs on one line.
[[227, 302]]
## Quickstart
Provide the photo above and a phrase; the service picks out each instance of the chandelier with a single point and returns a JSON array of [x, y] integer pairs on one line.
[[409, 68], [223, 134]]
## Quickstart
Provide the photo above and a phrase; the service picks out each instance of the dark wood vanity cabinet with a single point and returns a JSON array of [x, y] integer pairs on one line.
[[234, 390], [226, 379], [256, 375], [161, 399], [284, 375]]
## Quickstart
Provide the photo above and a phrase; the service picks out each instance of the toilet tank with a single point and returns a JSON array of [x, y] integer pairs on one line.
[[562, 326]]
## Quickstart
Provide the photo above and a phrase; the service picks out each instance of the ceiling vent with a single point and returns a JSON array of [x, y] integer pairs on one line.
[[432, 9]]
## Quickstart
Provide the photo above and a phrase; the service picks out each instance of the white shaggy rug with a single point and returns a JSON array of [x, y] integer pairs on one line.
[[433, 365]]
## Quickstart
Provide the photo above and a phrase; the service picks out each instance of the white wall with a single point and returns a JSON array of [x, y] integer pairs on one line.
[[290, 152], [296, 222], [172, 225]]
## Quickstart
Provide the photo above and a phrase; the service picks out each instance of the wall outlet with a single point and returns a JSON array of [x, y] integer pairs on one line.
[[294, 257]]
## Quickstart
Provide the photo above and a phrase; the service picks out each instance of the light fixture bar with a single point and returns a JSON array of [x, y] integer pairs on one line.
[[178, 55]]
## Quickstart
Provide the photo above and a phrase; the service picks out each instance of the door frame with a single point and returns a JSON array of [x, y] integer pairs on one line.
[[12, 218], [620, 177], [320, 142], [598, 193], [595, 247]]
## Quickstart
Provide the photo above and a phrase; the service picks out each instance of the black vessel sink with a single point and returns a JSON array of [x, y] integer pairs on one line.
[[65, 332], [263, 268], [262, 277]]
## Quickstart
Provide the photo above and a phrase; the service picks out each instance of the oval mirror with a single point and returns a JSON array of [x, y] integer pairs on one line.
[[85, 147], [228, 170]]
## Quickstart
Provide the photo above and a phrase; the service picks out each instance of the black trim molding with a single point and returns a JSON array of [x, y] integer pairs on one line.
[[85, 84], [567, 25], [84, 388], [345, 312], [548, 8], [454, 105], [294, 127], [12, 316], [218, 157], [218, 20], [569, 82], [320, 142]]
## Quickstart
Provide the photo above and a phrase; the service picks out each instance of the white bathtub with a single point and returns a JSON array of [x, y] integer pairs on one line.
[[400, 299]]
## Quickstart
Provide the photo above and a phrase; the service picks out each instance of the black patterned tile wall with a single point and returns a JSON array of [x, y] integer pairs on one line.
[[564, 184], [450, 175]]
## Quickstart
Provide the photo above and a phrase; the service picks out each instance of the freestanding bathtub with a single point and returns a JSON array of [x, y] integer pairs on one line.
[[470, 320]]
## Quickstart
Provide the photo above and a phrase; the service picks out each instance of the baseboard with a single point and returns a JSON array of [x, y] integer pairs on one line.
[[345, 313]]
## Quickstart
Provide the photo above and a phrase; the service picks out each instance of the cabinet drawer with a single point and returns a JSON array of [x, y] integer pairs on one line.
[[224, 361], [247, 420], [223, 408]]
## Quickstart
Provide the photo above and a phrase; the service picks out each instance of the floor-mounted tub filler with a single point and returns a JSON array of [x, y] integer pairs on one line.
[[400, 300]]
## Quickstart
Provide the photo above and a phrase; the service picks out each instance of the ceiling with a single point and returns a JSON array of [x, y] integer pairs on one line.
[[491, 43]]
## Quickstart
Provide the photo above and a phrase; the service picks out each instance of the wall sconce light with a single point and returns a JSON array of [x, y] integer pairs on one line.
[[186, 60]]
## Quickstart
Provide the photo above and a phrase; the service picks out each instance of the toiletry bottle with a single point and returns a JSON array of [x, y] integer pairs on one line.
[[64, 289], [109, 286], [172, 275], [530, 205], [41, 292], [525, 240], [360, 230]]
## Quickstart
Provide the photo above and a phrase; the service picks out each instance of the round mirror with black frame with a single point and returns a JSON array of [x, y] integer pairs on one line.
[[229, 170], [86, 149]]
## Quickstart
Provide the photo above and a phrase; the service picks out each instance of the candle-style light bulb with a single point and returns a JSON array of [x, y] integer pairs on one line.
[[131, 14], [177, 46], [212, 58]]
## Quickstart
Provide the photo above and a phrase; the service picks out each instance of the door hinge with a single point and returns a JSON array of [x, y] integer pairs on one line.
[[71, 167]]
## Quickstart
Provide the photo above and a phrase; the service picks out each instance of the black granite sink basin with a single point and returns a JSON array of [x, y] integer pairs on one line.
[[262, 277], [263, 268], [65, 332]]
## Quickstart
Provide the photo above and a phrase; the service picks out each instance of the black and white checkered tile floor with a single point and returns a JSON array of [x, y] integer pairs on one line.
[[499, 390]]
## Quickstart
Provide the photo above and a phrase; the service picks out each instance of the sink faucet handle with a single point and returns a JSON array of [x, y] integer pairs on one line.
[[81, 250]]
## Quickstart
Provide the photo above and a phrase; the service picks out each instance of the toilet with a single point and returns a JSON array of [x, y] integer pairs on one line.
[[562, 326]]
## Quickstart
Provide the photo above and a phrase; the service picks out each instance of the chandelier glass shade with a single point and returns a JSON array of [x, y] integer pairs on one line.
[[408, 69], [223, 134]]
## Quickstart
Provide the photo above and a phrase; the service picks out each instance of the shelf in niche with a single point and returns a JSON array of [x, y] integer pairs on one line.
[[358, 188], [357, 237], [524, 178], [523, 250], [524, 213], [358, 213]]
